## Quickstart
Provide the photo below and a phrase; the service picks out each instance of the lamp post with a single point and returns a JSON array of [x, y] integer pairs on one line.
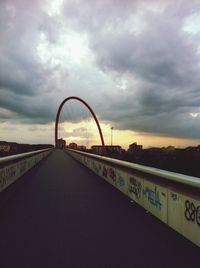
[[112, 135]]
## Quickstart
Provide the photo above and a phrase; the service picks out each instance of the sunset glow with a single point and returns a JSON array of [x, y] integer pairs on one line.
[[90, 136]]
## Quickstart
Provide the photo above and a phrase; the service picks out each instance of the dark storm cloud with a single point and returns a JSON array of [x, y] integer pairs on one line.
[[162, 55], [136, 41], [20, 71], [23, 78], [35, 110], [159, 54], [30, 87]]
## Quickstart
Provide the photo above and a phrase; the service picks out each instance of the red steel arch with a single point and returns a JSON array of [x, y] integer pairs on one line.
[[89, 108]]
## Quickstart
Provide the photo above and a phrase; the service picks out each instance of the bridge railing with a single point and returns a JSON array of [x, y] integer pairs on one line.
[[171, 197], [13, 167]]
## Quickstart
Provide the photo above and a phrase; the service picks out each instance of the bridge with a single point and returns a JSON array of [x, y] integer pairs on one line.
[[67, 208], [62, 214]]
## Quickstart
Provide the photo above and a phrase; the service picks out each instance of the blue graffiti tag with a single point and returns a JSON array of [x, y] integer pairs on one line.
[[153, 196], [135, 187], [120, 180]]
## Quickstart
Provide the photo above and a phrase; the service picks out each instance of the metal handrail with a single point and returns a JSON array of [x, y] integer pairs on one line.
[[171, 176], [6, 159]]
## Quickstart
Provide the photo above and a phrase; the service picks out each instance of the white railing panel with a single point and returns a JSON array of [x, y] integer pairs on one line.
[[158, 191], [13, 167]]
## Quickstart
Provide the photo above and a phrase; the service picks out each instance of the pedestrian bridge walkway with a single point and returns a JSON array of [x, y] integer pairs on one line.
[[61, 214]]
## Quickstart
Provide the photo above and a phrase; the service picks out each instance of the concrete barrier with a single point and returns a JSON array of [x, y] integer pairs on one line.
[[13, 167], [171, 197]]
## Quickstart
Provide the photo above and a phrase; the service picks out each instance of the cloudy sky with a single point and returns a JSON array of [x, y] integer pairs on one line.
[[136, 62]]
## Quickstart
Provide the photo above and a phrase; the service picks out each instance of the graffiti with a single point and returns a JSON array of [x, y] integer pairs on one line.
[[105, 172], [174, 196], [86, 161], [153, 196], [109, 173], [112, 174], [30, 162], [22, 167], [96, 167], [192, 213], [6, 175], [135, 187], [119, 180], [11, 173], [36, 160]]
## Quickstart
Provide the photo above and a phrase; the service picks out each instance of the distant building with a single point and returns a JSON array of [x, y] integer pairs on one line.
[[192, 148], [8, 147], [112, 149], [73, 146], [5, 146], [97, 149], [154, 149], [11, 148], [193, 151], [82, 148], [169, 150], [61, 143], [134, 148]]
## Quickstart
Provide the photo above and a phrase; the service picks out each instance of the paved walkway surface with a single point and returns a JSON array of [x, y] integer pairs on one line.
[[60, 214]]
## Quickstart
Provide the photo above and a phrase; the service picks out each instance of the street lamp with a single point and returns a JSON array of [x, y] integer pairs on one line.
[[112, 135]]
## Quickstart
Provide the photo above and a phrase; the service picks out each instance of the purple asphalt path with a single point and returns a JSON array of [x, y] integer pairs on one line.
[[60, 214]]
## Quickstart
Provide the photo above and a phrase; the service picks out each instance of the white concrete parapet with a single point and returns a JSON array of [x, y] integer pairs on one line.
[[13, 167], [171, 197]]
